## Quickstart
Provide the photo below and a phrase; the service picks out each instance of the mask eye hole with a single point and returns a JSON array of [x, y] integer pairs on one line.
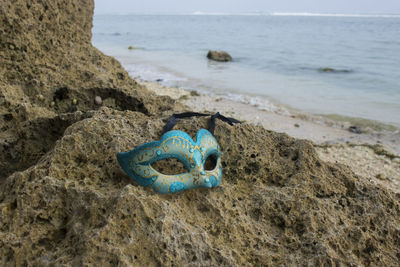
[[210, 162], [169, 166]]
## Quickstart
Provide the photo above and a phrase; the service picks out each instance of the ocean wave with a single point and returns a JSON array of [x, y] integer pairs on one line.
[[201, 13], [210, 13], [306, 14], [150, 73], [262, 103]]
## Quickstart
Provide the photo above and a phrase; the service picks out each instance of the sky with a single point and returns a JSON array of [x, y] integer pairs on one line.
[[248, 6]]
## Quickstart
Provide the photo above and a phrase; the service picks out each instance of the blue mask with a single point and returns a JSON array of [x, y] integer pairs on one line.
[[137, 163]]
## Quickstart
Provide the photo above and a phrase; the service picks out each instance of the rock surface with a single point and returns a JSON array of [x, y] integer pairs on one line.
[[278, 204], [221, 56], [47, 60], [355, 129], [65, 201]]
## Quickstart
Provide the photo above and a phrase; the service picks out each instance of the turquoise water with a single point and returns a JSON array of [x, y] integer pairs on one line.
[[277, 59]]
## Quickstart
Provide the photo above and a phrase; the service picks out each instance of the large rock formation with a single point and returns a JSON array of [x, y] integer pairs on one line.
[[64, 199], [278, 204], [46, 56]]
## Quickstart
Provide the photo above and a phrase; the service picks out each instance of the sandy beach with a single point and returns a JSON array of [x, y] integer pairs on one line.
[[373, 155]]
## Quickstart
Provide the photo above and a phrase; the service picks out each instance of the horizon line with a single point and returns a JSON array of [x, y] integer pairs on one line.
[[258, 13]]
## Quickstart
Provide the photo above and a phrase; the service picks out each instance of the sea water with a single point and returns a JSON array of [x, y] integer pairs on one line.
[[279, 59]]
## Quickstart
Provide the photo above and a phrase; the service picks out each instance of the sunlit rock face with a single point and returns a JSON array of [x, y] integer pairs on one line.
[[48, 68]]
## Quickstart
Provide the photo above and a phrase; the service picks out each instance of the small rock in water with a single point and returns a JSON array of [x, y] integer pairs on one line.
[[221, 56], [159, 80], [334, 70], [194, 93], [98, 100], [131, 47], [355, 129], [327, 70], [74, 101], [296, 125]]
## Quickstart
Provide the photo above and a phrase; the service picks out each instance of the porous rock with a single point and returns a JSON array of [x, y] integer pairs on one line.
[[221, 56], [278, 204], [49, 67]]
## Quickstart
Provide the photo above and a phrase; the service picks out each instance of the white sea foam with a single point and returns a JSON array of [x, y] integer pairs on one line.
[[210, 13], [201, 13], [150, 73], [306, 14], [259, 102]]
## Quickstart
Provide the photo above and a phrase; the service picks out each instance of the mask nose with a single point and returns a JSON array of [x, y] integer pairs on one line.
[[206, 180]]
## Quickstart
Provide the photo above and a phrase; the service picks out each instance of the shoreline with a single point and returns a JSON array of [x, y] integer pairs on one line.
[[321, 130], [374, 155], [207, 78]]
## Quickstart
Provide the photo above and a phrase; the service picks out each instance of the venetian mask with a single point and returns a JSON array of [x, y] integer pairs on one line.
[[138, 162]]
